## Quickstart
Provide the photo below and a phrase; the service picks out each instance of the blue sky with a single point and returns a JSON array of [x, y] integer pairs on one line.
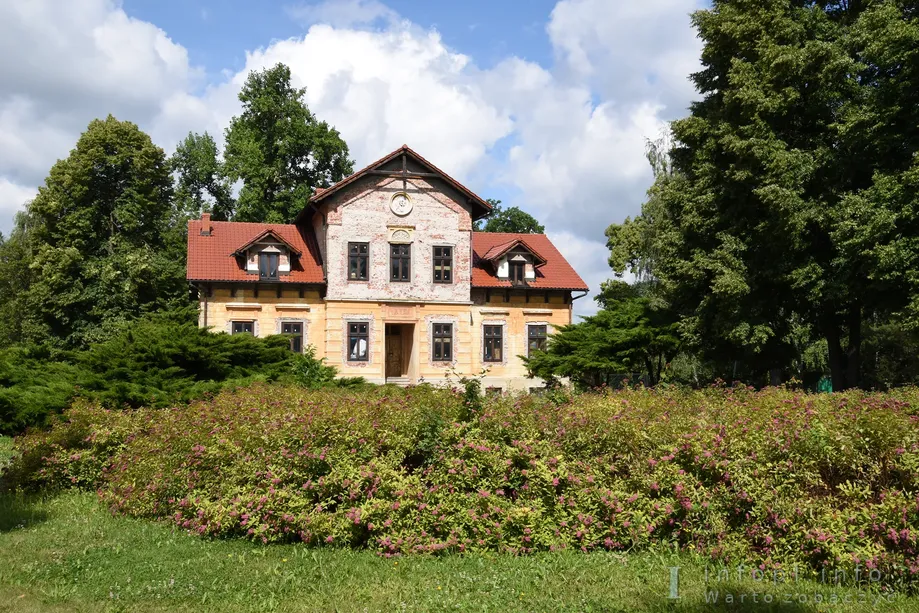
[[546, 105], [216, 34]]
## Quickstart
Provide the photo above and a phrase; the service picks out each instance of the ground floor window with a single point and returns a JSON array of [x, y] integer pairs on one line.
[[492, 343], [242, 327], [443, 342], [294, 331], [358, 341]]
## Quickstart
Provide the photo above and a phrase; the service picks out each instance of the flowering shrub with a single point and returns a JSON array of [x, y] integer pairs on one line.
[[779, 477]]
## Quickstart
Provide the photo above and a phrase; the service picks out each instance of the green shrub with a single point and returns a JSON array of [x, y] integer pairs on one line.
[[162, 360], [33, 386], [772, 478]]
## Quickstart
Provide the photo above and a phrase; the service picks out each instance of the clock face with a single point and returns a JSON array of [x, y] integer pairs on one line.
[[400, 204]]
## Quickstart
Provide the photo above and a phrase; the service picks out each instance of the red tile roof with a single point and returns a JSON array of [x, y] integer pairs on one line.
[[500, 249], [556, 273], [210, 258], [263, 235]]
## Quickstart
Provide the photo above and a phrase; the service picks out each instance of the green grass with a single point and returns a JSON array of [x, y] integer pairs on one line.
[[68, 553]]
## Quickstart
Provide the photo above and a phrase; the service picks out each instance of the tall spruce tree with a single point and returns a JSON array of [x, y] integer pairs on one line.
[[280, 151], [103, 248], [795, 178]]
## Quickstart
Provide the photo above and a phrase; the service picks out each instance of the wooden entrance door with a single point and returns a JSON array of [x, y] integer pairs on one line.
[[393, 350]]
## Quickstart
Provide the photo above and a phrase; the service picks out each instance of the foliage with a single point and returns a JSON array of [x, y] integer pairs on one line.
[[168, 359], [511, 219], [201, 181], [772, 478], [33, 386], [279, 150], [15, 276], [789, 194], [157, 361], [311, 372], [100, 247], [628, 335]]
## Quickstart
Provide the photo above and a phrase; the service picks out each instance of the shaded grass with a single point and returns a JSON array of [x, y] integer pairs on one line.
[[68, 553]]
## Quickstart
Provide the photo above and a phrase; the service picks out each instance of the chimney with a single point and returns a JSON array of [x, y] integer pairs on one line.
[[206, 224]]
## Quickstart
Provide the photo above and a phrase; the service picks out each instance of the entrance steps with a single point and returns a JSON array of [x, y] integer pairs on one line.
[[400, 381]]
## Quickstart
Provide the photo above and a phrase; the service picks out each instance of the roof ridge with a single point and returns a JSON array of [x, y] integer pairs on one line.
[[515, 233]]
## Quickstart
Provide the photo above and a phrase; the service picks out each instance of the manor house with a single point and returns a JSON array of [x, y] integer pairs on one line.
[[383, 274]]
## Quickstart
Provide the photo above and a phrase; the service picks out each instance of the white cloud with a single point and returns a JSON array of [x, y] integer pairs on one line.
[[431, 102], [68, 63], [630, 52], [12, 197]]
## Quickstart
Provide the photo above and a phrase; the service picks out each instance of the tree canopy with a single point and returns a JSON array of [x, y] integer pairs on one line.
[[279, 150], [511, 219], [201, 179], [792, 196], [100, 239]]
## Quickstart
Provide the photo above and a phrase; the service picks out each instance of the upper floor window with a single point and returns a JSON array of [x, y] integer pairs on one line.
[[268, 264], [400, 262], [492, 342], [443, 264], [358, 254], [537, 337], [518, 272]]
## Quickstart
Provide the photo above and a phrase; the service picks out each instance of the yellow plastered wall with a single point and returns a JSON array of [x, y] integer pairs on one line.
[[326, 330], [267, 310]]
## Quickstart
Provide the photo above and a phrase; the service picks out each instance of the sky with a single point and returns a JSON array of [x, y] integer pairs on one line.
[[543, 105]]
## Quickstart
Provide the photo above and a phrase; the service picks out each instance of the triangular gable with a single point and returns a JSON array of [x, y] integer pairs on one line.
[[498, 251], [480, 207], [262, 236]]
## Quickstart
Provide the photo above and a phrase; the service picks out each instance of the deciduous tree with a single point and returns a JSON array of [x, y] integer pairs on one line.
[[279, 149], [201, 181], [103, 247], [511, 219]]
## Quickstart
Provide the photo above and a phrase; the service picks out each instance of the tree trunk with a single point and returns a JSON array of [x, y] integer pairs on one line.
[[837, 359], [854, 350], [775, 376]]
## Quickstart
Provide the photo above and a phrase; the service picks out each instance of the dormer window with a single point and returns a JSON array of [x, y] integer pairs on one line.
[[515, 261], [268, 255], [517, 272], [268, 265]]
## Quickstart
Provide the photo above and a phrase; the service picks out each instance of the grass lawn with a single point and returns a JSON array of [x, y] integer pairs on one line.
[[67, 553]]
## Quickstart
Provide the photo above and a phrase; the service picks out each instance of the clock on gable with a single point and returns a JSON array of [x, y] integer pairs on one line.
[[400, 204]]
